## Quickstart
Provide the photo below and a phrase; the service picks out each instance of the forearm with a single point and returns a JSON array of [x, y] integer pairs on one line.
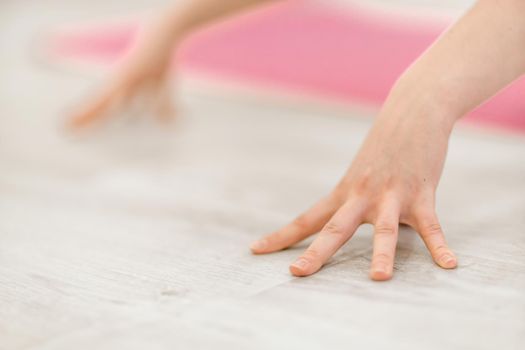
[[182, 18], [478, 56], [166, 30]]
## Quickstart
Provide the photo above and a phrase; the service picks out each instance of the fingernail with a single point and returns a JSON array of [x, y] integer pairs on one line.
[[448, 260], [258, 245], [380, 269], [380, 273], [301, 263]]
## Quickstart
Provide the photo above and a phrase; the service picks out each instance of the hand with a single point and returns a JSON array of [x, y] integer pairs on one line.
[[392, 180], [143, 77], [145, 72]]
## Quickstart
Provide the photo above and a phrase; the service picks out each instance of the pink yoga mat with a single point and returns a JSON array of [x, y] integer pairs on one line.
[[349, 53]]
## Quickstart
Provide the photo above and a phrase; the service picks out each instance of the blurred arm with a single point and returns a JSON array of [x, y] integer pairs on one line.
[[180, 19], [192, 13]]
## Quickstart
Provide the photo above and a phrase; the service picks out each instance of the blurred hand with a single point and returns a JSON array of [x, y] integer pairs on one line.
[[142, 78], [392, 180]]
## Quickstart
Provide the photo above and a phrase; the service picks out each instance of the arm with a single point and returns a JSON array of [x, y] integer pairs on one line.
[[394, 177], [146, 67], [478, 56]]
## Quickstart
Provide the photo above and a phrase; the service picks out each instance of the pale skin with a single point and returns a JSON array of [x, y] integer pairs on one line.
[[394, 177]]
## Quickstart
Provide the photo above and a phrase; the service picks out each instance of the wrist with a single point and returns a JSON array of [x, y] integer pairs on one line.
[[413, 101]]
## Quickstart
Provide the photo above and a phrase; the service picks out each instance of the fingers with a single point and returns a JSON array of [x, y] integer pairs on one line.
[[312, 221], [386, 231], [334, 234], [432, 234], [156, 100], [99, 108]]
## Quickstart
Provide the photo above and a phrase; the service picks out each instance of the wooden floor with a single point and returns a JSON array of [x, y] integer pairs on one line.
[[136, 237]]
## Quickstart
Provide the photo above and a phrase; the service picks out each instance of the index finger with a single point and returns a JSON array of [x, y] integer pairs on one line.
[[335, 233]]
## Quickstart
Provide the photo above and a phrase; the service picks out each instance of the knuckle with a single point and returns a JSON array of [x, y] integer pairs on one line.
[[360, 183], [301, 222], [388, 230], [332, 229], [391, 182], [432, 230], [338, 194], [363, 183]]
